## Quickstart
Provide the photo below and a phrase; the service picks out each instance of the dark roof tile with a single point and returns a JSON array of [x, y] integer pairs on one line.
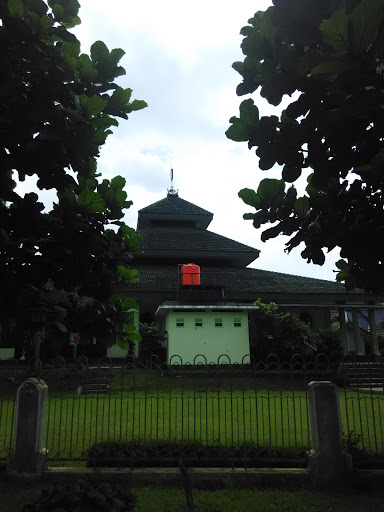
[[187, 239], [174, 205], [245, 280]]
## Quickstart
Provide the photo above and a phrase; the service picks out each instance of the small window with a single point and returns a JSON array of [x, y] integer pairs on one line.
[[237, 322], [218, 322], [198, 322], [179, 322]]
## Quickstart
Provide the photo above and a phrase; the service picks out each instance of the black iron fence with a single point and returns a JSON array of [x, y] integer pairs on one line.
[[254, 414]]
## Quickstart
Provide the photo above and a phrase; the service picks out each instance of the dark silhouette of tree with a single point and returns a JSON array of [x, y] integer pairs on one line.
[[330, 52], [57, 107]]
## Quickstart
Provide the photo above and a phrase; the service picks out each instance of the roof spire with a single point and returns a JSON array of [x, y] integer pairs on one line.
[[172, 191]]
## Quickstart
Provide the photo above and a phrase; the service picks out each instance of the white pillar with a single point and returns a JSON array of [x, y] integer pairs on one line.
[[343, 329], [29, 452], [329, 463], [356, 330], [373, 331]]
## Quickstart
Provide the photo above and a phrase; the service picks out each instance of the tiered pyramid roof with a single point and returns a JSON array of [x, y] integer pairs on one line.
[[175, 232]]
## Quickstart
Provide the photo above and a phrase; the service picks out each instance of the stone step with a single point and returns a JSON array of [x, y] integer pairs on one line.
[[95, 385], [363, 376], [96, 381], [358, 378], [369, 389], [95, 390], [361, 385], [366, 388], [365, 366]]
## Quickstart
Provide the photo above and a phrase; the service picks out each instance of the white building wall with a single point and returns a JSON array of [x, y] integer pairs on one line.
[[187, 343]]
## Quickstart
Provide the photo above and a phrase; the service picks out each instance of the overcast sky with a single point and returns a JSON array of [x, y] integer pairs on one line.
[[178, 59]]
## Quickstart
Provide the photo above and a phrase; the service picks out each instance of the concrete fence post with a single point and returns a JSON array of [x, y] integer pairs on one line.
[[29, 453], [329, 463]]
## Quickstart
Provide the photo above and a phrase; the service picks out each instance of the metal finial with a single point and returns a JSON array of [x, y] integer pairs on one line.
[[172, 191]]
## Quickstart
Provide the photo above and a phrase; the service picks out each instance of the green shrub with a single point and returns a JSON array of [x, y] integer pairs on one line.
[[329, 342], [380, 340], [134, 454], [152, 338], [285, 335], [84, 496]]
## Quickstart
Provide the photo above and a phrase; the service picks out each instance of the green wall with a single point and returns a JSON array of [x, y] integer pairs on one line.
[[190, 340]]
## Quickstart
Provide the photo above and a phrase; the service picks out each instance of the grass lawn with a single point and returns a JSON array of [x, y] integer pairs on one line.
[[14, 495], [240, 500], [211, 412], [221, 418]]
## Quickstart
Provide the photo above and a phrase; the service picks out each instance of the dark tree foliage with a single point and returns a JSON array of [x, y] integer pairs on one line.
[[57, 106], [286, 335], [330, 53], [152, 340]]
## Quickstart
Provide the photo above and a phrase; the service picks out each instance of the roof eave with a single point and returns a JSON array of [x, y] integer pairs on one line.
[[235, 258], [164, 308]]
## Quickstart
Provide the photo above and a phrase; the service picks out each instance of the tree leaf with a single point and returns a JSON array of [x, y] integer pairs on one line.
[[317, 256], [71, 22], [242, 128], [341, 277], [91, 200], [290, 173], [37, 6], [364, 23], [61, 309], [343, 266], [270, 233], [249, 196], [46, 22], [86, 70], [122, 341], [128, 275], [330, 67], [133, 336], [99, 51], [93, 105], [60, 326], [16, 8], [116, 54], [261, 217], [249, 113], [239, 132], [238, 66], [118, 183], [137, 105], [271, 192], [4, 234], [267, 157], [123, 302], [119, 100], [335, 31], [58, 12], [302, 206]]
